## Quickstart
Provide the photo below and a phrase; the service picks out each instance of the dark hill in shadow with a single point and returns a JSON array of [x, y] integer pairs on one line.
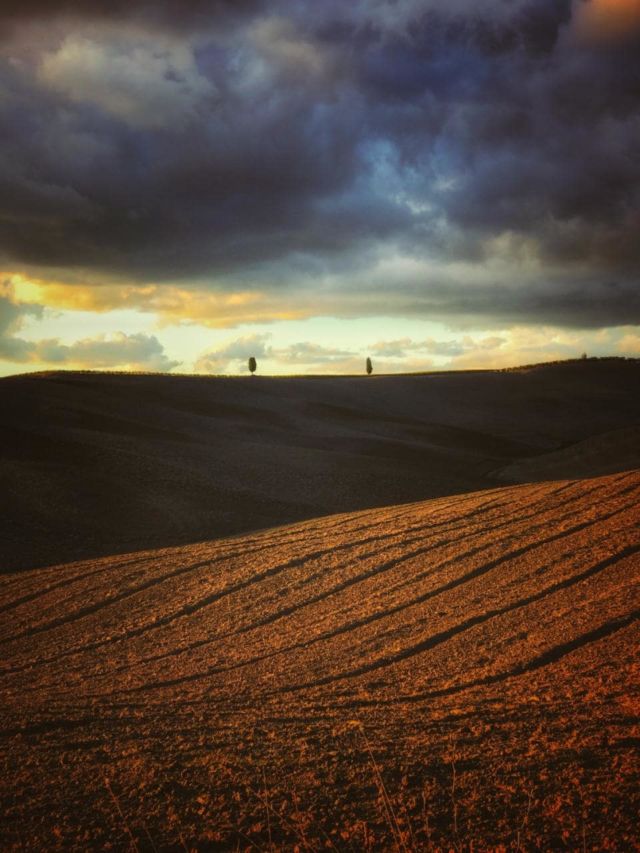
[[95, 463]]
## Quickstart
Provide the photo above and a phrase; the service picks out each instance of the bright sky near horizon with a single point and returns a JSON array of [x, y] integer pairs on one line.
[[186, 184]]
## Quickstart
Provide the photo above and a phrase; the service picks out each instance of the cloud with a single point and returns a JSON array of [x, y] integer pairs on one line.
[[404, 346], [450, 349], [130, 352], [393, 349], [629, 344], [170, 303], [226, 163], [13, 315], [305, 352], [608, 21], [140, 80], [519, 344], [134, 352], [174, 14], [236, 351], [289, 52], [13, 312]]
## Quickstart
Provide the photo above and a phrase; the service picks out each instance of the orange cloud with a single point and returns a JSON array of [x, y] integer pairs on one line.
[[222, 310], [629, 345], [171, 304], [608, 20]]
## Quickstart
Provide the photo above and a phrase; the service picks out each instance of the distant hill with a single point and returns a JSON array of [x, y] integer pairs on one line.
[[96, 463]]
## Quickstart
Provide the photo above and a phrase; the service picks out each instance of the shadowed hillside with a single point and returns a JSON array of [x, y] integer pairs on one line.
[[458, 671], [96, 464]]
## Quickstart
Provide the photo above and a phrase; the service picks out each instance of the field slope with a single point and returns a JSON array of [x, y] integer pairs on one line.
[[456, 671], [96, 464]]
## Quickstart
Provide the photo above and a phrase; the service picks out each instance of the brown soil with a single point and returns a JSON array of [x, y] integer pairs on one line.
[[460, 673]]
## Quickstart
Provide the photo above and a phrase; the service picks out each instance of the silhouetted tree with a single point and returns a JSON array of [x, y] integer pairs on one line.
[[583, 356], [252, 365], [369, 367]]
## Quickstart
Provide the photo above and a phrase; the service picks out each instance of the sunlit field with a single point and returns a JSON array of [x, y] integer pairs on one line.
[[455, 674]]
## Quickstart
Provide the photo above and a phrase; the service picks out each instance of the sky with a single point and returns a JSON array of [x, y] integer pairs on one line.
[[435, 185]]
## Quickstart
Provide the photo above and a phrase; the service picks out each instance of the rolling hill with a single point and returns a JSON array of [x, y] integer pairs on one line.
[[97, 464], [452, 672]]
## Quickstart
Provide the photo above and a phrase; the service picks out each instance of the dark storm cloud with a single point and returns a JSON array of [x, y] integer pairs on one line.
[[279, 143], [178, 14], [572, 301]]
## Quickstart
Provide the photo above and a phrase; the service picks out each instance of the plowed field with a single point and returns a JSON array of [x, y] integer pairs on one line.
[[438, 675]]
